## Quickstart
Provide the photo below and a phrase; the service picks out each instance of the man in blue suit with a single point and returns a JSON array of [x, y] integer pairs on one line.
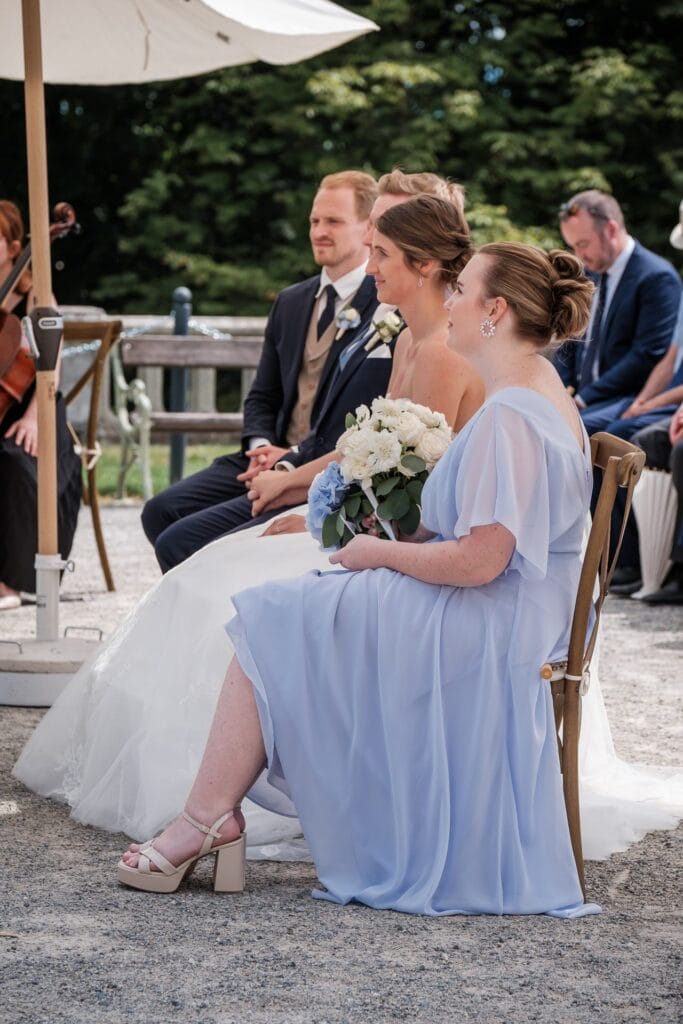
[[633, 315], [304, 337]]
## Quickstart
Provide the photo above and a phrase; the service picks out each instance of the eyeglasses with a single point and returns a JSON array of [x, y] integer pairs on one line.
[[571, 210]]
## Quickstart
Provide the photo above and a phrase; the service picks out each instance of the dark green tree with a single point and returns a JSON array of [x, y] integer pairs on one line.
[[208, 181]]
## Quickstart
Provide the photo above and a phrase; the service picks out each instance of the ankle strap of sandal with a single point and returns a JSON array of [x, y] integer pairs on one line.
[[213, 830]]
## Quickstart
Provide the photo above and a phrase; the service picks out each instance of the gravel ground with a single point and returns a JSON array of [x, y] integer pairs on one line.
[[74, 947]]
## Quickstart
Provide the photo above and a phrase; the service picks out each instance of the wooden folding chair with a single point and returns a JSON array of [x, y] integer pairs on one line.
[[107, 332], [621, 464]]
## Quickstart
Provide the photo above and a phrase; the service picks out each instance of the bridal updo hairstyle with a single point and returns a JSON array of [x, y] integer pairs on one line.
[[429, 228], [548, 292]]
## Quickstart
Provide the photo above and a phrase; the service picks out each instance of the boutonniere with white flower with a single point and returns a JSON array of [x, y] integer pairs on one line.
[[387, 328], [347, 319]]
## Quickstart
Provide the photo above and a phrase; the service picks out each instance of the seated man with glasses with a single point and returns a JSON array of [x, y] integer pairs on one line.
[[633, 313]]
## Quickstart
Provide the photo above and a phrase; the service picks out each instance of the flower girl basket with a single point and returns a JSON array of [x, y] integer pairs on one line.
[[655, 504]]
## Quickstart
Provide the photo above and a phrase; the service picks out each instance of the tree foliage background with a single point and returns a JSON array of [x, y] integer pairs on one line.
[[207, 181]]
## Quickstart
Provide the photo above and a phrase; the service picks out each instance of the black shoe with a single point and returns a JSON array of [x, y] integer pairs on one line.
[[626, 581], [624, 574], [672, 593]]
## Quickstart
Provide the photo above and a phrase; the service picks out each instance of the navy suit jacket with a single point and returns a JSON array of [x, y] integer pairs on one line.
[[364, 377], [636, 333], [271, 399]]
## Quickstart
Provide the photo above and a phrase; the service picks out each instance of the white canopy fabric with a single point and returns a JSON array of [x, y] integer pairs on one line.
[[106, 42]]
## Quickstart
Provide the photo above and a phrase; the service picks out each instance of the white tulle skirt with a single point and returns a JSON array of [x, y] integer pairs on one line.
[[123, 742]]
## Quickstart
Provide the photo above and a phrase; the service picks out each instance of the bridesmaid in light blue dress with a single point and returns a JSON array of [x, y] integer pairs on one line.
[[397, 703]]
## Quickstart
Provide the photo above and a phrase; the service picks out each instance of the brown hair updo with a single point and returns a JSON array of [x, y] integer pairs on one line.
[[12, 230], [428, 228], [548, 292]]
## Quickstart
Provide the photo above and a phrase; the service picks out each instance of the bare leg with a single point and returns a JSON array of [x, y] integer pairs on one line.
[[233, 759]]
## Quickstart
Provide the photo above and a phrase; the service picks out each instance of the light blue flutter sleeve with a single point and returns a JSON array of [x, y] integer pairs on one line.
[[503, 478]]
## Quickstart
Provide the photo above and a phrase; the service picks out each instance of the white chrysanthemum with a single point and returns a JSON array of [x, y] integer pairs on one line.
[[384, 408], [355, 470], [385, 452], [409, 428], [431, 447]]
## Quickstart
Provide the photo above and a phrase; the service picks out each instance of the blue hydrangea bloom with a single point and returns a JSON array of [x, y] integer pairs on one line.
[[325, 496]]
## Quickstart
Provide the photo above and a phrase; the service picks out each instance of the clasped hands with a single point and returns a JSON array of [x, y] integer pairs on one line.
[[266, 488]]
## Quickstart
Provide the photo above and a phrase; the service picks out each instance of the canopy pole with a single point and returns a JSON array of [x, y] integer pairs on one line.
[[47, 582]]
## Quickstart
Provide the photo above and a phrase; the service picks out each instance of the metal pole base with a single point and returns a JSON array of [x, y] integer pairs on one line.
[[33, 673], [48, 569]]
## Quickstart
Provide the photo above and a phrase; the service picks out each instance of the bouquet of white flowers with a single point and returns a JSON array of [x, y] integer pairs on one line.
[[387, 453]]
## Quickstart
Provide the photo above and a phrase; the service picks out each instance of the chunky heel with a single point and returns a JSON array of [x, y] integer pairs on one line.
[[228, 871]]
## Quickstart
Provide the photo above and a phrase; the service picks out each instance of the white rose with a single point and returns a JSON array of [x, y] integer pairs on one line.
[[385, 452], [356, 453], [362, 414], [345, 438], [432, 446], [409, 429], [355, 469]]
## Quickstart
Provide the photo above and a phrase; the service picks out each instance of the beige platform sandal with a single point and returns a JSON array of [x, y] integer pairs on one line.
[[228, 872]]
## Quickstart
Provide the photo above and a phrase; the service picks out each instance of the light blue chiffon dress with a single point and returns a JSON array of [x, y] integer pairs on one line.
[[406, 723]]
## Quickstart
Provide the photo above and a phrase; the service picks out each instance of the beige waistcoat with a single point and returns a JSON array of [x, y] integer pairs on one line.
[[315, 356]]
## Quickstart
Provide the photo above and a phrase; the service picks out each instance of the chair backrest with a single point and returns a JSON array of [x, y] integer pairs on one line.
[[621, 464], [107, 332]]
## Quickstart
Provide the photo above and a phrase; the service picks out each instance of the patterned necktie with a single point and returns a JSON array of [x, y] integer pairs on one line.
[[327, 315], [592, 353]]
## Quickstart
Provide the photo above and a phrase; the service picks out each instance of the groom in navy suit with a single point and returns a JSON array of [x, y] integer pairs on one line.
[[298, 377], [633, 315]]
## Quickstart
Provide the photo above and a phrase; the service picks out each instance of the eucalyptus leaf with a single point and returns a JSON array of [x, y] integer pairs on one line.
[[330, 537], [395, 506], [351, 506], [414, 463], [414, 488], [386, 486], [350, 420], [410, 521]]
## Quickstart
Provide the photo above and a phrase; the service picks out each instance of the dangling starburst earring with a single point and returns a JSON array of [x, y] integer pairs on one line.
[[487, 328]]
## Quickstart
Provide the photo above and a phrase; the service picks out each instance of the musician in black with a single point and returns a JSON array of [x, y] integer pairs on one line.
[[19, 442]]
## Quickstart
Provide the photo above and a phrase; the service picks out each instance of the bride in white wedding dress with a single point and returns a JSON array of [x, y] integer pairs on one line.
[[123, 743]]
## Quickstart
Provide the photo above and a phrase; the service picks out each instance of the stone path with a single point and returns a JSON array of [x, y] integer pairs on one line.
[[74, 947]]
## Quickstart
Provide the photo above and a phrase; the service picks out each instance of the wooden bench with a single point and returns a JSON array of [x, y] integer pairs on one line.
[[193, 352], [242, 352]]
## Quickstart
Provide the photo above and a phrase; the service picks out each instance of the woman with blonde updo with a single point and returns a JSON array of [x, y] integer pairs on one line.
[[399, 704]]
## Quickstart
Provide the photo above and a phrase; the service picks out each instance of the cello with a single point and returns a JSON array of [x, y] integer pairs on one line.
[[17, 367]]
